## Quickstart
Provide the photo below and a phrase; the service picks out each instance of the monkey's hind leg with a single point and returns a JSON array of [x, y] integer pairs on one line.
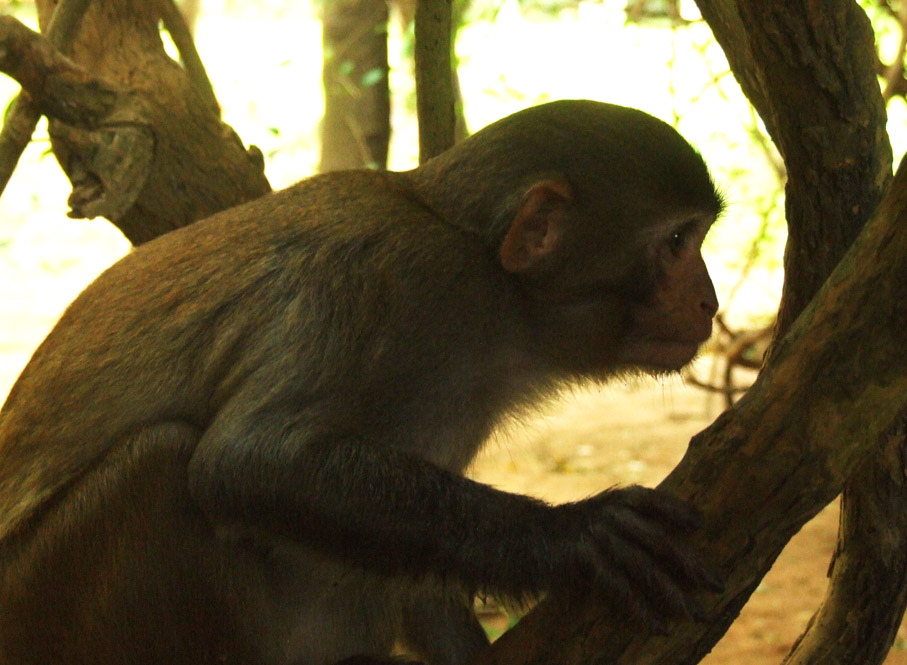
[[122, 567]]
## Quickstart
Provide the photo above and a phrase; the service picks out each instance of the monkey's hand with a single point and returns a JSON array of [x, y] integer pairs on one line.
[[630, 543]]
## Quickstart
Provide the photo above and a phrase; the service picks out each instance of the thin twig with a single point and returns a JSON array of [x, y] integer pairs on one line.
[[61, 30], [175, 23]]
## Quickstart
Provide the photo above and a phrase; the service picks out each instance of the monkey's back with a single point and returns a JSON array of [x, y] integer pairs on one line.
[[174, 329]]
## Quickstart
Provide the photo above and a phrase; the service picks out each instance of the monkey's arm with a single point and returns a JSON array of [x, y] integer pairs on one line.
[[394, 513]]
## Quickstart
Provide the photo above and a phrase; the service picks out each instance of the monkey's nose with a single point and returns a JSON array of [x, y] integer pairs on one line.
[[709, 302]]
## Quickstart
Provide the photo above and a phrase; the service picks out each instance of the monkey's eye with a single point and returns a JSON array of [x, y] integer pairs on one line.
[[679, 240], [682, 237]]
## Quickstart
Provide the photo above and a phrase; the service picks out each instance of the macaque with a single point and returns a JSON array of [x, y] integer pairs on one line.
[[245, 441]]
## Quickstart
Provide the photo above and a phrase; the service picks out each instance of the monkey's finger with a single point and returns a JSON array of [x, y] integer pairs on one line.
[[616, 589], [680, 559], [661, 506], [636, 581], [669, 595]]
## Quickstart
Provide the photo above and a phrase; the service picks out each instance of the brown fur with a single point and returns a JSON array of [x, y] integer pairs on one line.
[[244, 442]]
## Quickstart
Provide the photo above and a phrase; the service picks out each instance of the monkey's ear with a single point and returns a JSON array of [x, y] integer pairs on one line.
[[537, 226]]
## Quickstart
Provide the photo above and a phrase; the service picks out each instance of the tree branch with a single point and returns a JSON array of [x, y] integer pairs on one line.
[[435, 96], [63, 91], [826, 114], [139, 141], [55, 85], [22, 117], [182, 38]]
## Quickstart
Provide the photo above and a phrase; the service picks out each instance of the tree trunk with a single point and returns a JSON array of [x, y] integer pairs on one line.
[[355, 132], [435, 96], [149, 152], [826, 114]]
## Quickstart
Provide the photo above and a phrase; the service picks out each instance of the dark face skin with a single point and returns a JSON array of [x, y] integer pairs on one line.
[[245, 442], [653, 317], [667, 329]]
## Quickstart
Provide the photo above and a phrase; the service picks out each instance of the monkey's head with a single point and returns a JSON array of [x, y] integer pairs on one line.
[[598, 213]]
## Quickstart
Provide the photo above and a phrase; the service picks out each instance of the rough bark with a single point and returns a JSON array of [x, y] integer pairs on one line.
[[57, 88], [181, 33], [861, 613], [435, 95], [355, 132], [824, 110], [198, 165], [407, 11]]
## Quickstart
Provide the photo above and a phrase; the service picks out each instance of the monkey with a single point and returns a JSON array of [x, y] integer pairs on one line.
[[245, 442]]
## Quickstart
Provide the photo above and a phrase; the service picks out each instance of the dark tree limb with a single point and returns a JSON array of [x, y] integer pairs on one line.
[[808, 69], [65, 22], [827, 117], [23, 117], [435, 94], [57, 88], [160, 157], [861, 613], [18, 127]]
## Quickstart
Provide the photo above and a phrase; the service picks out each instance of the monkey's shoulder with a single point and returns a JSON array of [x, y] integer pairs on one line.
[[343, 216], [345, 200]]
